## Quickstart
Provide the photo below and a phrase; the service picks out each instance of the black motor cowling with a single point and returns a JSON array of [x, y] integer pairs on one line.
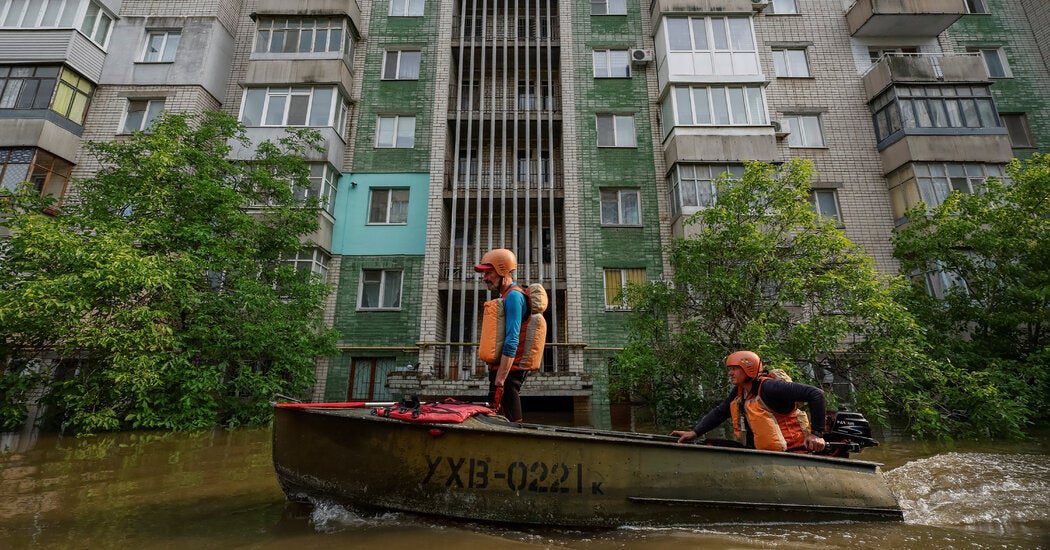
[[847, 432]]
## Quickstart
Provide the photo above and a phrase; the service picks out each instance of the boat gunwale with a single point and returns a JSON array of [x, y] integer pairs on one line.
[[560, 432]]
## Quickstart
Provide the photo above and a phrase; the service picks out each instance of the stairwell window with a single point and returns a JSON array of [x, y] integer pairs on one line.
[[616, 131], [397, 132], [616, 281], [620, 207], [388, 207], [825, 202], [791, 63], [611, 64], [608, 7], [140, 114], [401, 65], [380, 289], [805, 131], [161, 46], [406, 8]]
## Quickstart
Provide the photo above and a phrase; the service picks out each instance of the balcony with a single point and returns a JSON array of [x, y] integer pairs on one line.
[[333, 147], [283, 72], [491, 177], [504, 101], [40, 46], [486, 30], [913, 68], [720, 144], [900, 18], [659, 8], [349, 8], [529, 271]]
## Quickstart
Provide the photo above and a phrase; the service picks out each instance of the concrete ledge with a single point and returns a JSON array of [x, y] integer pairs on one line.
[[938, 69], [333, 145], [348, 8], [893, 18], [21, 132], [990, 148], [720, 144], [659, 8], [282, 72]]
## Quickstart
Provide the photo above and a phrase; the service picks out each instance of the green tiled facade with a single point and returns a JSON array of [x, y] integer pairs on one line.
[[1006, 25]]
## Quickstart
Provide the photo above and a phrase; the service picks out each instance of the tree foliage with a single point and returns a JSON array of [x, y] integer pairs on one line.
[[157, 298], [992, 325], [760, 270]]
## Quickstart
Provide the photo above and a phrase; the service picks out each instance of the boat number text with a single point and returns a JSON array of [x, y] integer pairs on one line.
[[537, 477]]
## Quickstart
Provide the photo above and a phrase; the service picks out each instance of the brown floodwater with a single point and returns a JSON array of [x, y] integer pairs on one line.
[[217, 489]]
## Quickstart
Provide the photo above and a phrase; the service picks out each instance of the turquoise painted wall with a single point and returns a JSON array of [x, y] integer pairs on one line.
[[353, 236]]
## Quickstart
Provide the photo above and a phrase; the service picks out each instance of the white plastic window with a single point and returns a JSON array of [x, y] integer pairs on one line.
[[161, 46], [616, 131], [380, 289], [401, 65], [611, 64], [388, 206], [141, 114], [711, 46], [406, 8], [620, 207], [396, 132]]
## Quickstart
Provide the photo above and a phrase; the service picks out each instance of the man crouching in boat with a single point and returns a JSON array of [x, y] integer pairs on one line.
[[765, 410], [505, 379]]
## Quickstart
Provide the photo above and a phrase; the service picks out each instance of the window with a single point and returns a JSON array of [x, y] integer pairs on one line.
[[303, 35], [693, 185], [97, 24], [161, 46], [976, 6], [616, 131], [318, 106], [612, 64], [39, 13], [1017, 125], [620, 207], [141, 114], [396, 131], [790, 63], [932, 182], [711, 46], [48, 174], [718, 105], [995, 61], [311, 260], [27, 87], [939, 282], [322, 187], [608, 7], [826, 203], [401, 65], [380, 289], [616, 281], [933, 107], [388, 206], [805, 131], [406, 8], [72, 96], [784, 6]]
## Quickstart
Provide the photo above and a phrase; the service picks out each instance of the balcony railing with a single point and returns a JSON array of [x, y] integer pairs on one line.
[[526, 29], [533, 267], [478, 99], [497, 181]]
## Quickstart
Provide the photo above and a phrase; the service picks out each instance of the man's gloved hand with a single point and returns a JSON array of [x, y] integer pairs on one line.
[[498, 398]]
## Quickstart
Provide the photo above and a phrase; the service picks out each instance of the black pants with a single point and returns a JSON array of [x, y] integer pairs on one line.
[[511, 387]]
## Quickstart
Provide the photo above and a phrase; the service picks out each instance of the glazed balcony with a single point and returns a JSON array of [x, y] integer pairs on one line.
[[900, 18], [348, 8], [910, 68], [43, 46]]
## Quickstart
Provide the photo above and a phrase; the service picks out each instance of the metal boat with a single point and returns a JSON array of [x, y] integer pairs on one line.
[[490, 469]]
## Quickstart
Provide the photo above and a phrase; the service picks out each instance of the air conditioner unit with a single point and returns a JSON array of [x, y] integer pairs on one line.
[[778, 129], [640, 56]]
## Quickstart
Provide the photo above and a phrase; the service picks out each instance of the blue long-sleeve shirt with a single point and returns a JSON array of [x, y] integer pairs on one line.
[[514, 309]]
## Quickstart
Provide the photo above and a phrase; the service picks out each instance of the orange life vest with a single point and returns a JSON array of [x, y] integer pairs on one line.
[[772, 431], [532, 337]]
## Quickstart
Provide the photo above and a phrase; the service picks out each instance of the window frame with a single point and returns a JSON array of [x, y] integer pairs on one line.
[[76, 15], [382, 287], [785, 62], [38, 101], [103, 14], [389, 205], [146, 122], [397, 67], [345, 47], [615, 145], [408, 9], [731, 53], [802, 130], [606, 4], [983, 4], [1024, 128], [317, 259], [678, 182], [397, 124], [815, 203], [167, 33], [1000, 54], [336, 116], [773, 8], [607, 52], [904, 106], [619, 206], [623, 306], [693, 111]]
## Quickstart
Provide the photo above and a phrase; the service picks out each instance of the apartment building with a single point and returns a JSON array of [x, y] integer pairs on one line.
[[578, 133]]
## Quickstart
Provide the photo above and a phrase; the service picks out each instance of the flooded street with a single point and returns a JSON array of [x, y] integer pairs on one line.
[[217, 490]]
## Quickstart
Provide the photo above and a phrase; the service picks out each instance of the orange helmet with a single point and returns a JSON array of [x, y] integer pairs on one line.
[[499, 259], [746, 360]]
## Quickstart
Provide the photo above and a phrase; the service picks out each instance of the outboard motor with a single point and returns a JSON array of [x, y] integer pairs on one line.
[[848, 432]]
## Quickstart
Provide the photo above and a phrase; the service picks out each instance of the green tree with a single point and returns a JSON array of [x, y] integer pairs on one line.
[[990, 319], [760, 270], [156, 298]]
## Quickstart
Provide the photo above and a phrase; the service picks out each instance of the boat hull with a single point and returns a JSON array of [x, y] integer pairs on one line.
[[496, 471]]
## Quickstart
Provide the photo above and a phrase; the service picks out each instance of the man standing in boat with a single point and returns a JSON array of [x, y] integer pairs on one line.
[[497, 267], [764, 409]]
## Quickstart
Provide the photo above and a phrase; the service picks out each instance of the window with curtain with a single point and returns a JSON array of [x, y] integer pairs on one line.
[[790, 62], [616, 131], [805, 131], [616, 281], [314, 106], [620, 207], [380, 289], [48, 173], [611, 64], [401, 65], [406, 8], [388, 206]]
